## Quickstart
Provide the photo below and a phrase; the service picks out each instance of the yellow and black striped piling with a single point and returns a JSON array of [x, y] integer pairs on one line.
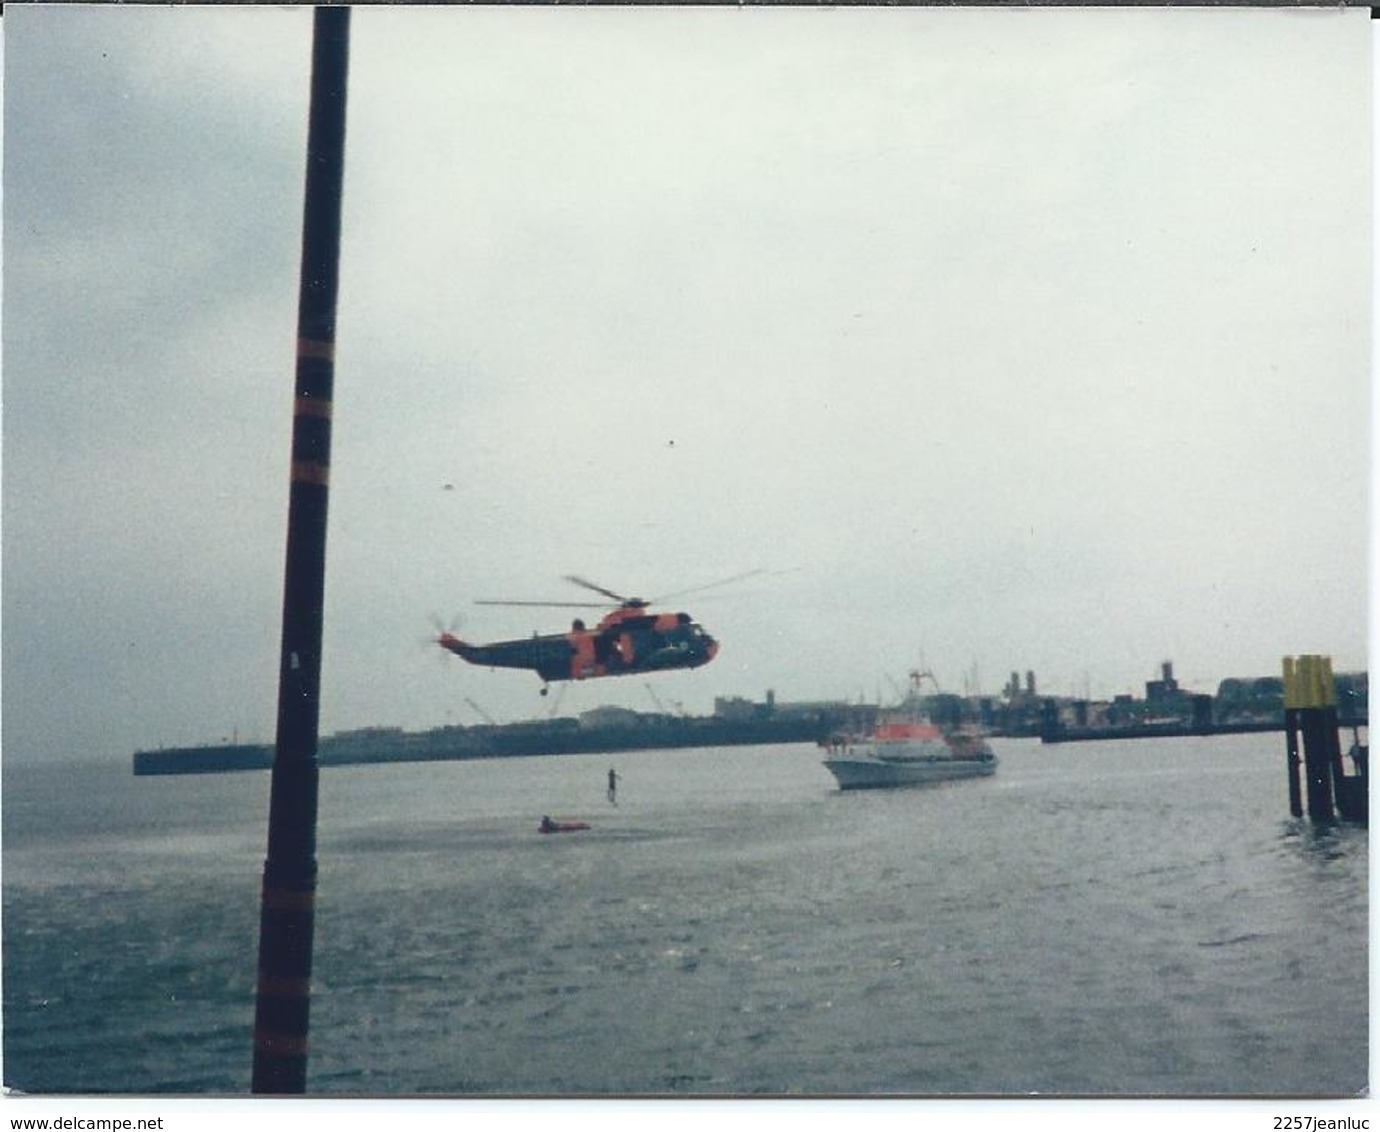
[[1310, 713], [287, 913]]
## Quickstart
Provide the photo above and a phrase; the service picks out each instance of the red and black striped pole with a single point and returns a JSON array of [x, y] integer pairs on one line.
[[287, 915]]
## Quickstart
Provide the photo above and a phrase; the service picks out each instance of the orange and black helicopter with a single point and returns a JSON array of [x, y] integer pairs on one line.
[[629, 639]]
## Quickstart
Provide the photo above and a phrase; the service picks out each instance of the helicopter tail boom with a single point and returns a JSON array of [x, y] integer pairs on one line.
[[451, 643], [548, 657]]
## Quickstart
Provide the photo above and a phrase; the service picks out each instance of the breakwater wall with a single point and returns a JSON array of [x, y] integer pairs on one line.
[[387, 745]]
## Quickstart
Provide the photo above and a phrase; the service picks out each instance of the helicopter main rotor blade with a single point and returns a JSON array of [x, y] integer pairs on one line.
[[554, 605], [597, 589], [709, 586], [617, 597]]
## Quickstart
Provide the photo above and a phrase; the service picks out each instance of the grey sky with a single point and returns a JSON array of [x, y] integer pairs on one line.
[[1002, 339]]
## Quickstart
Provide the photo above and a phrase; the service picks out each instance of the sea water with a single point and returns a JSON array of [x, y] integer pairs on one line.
[[1136, 918]]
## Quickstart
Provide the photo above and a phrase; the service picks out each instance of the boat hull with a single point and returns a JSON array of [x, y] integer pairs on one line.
[[909, 764], [549, 826]]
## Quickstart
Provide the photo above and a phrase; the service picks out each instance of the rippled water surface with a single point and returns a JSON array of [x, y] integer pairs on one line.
[[1133, 918]]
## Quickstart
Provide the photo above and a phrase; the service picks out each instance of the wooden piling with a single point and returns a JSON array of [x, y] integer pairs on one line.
[[1291, 739], [1310, 711]]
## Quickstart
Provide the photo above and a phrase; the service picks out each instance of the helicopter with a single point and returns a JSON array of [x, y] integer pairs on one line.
[[627, 640]]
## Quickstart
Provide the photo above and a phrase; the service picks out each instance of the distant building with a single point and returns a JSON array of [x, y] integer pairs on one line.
[[736, 708], [1013, 692], [1166, 688], [603, 717], [1262, 697]]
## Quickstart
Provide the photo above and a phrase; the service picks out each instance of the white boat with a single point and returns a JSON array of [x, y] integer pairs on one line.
[[911, 752]]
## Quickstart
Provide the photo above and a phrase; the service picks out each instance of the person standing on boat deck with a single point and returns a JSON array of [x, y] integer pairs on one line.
[[614, 776]]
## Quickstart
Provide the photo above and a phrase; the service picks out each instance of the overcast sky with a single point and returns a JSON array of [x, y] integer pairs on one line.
[[998, 339]]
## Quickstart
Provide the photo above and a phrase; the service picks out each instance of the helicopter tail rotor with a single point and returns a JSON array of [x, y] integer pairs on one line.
[[445, 633], [449, 627]]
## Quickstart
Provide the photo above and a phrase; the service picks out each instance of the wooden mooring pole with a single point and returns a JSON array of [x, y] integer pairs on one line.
[[1291, 740], [1310, 712], [288, 909]]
